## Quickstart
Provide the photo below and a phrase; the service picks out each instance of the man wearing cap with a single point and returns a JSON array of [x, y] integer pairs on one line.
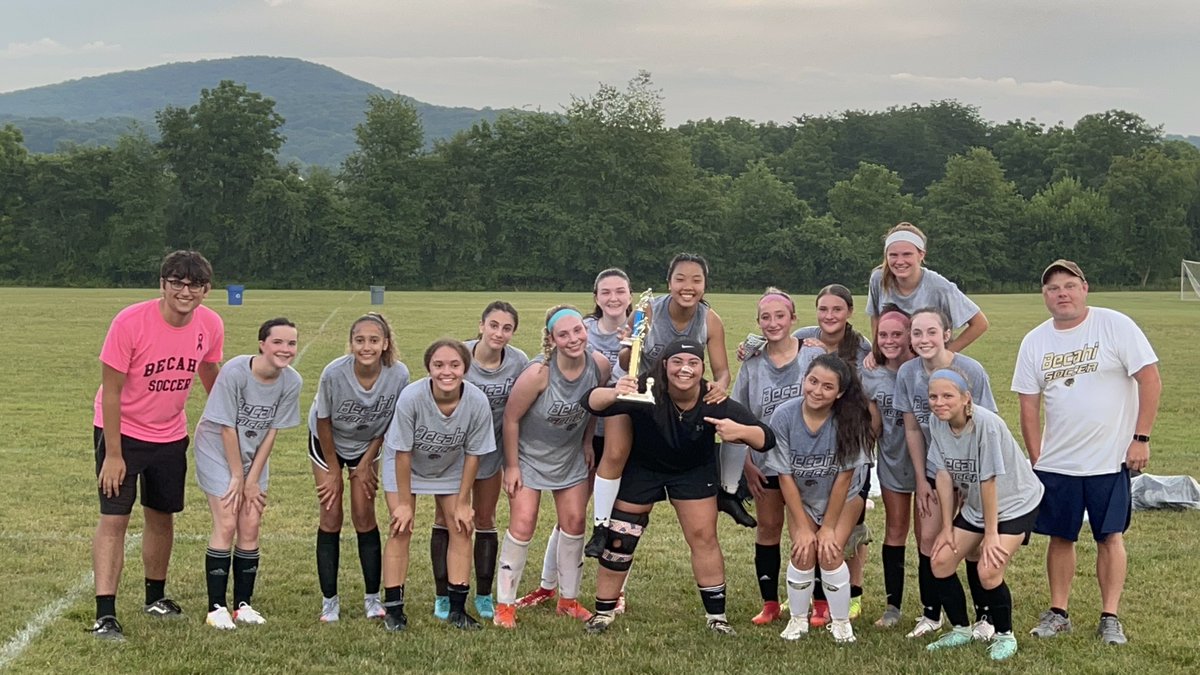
[[1098, 377]]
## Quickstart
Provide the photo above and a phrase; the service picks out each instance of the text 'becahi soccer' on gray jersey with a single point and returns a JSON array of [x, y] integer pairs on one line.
[[912, 388], [663, 332], [239, 400], [762, 386], [497, 384], [358, 415], [550, 443], [893, 464], [438, 443]]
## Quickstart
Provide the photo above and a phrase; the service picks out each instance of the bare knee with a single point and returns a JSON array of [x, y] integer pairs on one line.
[[112, 526], [944, 563], [991, 577]]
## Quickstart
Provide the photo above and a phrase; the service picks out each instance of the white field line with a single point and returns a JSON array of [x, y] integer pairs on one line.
[[309, 341]]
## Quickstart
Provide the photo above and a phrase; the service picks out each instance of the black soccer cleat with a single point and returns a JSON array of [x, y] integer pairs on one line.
[[108, 628], [463, 621], [729, 503], [395, 624], [599, 623], [595, 545], [163, 608]]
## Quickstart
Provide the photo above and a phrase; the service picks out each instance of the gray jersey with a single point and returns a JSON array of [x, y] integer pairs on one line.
[[497, 384], [663, 332], [985, 449], [253, 408], [438, 443], [762, 386], [358, 415], [609, 345], [934, 290], [550, 442], [912, 389], [892, 464], [810, 458], [814, 333]]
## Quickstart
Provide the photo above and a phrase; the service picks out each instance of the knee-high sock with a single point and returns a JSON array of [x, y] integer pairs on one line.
[[998, 607], [570, 564], [245, 572], [732, 457], [954, 601], [370, 559], [439, 547], [216, 575], [550, 561], [799, 589], [837, 591], [486, 546], [977, 593], [604, 496], [512, 563], [766, 566], [927, 587], [893, 574], [713, 599], [328, 555]]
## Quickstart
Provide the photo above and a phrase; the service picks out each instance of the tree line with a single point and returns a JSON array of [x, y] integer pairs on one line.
[[544, 201]]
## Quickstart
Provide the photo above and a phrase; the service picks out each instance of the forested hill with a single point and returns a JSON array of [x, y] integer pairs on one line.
[[320, 105]]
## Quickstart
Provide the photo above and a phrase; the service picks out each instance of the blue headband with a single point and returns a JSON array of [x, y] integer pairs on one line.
[[953, 376], [565, 311]]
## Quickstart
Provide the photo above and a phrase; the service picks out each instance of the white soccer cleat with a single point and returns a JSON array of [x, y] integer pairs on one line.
[[220, 618], [248, 615], [373, 606], [797, 628], [982, 631], [331, 609], [925, 626], [843, 632]]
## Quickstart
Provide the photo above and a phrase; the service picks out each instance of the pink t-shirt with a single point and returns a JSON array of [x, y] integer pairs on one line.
[[160, 363]]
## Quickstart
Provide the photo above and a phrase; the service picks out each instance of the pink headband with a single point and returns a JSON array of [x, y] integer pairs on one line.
[[777, 296], [897, 316]]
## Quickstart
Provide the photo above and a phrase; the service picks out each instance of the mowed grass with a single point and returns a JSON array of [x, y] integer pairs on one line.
[[49, 341]]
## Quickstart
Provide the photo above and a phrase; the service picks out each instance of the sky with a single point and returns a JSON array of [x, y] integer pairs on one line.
[[1048, 60]]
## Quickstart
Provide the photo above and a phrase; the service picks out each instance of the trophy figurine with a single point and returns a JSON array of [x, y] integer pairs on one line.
[[640, 328]]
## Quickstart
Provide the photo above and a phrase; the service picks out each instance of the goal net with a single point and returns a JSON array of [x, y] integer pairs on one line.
[[1189, 280]]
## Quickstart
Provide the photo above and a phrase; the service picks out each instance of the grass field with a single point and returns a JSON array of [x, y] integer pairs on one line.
[[49, 340]]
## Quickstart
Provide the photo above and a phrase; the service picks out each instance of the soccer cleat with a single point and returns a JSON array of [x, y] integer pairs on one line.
[[1003, 646], [596, 544], [891, 617], [220, 618], [331, 609], [820, 613], [164, 608], [573, 609], [248, 615], [797, 628], [843, 632], [536, 597], [721, 627], [1050, 624], [982, 631], [955, 637], [855, 607], [373, 606], [485, 605], [924, 627], [463, 621], [394, 624], [441, 607], [108, 628], [506, 616], [730, 504], [1110, 631], [620, 609], [769, 613], [599, 623]]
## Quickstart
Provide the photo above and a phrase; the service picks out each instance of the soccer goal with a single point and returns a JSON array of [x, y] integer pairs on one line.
[[1189, 280]]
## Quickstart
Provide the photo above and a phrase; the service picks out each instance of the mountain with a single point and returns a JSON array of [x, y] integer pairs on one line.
[[320, 105]]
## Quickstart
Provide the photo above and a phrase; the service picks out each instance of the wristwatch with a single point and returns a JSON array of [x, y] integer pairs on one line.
[[1141, 438]]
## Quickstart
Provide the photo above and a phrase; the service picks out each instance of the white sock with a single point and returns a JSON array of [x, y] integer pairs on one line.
[[570, 564], [732, 457], [837, 591], [550, 561], [800, 589], [604, 497], [513, 553]]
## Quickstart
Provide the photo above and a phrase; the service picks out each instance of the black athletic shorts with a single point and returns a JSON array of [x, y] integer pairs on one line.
[[318, 457], [1021, 525], [865, 493], [162, 468], [644, 486]]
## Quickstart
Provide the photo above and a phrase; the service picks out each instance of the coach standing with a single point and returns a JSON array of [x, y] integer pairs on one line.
[[1099, 378], [151, 356]]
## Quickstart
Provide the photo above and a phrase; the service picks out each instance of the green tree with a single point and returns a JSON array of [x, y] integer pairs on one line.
[[760, 205], [13, 186], [864, 207], [1096, 140], [1067, 220], [136, 231], [1150, 194]]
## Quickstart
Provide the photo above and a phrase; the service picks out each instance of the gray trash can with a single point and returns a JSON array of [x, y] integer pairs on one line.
[[377, 295]]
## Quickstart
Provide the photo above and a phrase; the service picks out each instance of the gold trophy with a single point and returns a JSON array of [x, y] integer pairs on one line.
[[641, 327]]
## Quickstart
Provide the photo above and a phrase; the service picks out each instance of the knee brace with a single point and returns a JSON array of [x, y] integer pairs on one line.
[[624, 531]]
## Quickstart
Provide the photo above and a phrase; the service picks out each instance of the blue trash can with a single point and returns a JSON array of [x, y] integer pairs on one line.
[[377, 295], [235, 292]]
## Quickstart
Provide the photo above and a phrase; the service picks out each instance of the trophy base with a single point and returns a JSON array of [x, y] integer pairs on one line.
[[642, 396]]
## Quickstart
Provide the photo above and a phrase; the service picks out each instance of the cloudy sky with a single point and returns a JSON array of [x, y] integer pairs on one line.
[[1050, 60]]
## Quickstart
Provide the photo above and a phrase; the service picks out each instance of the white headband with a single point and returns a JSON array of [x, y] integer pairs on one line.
[[904, 235]]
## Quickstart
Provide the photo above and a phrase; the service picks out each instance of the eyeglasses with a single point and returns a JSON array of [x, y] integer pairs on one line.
[[179, 285]]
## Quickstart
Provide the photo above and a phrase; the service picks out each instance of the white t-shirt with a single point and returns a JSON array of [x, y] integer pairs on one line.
[[1085, 377]]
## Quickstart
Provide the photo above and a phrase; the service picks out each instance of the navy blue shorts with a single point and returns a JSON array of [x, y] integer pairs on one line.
[[1106, 498]]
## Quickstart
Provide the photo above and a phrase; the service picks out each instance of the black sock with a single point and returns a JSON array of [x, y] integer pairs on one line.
[[766, 566], [607, 606], [855, 591], [458, 596], [1104, 615], [977, 592], [486, 547], [818, 587], [954, 601], [156, 589], [999, 607], [893, 574], [329, 552], [245, 571], [370, 558], [216, 576], [393, 601], [1062, 612], [927, 587], [713, 599], [106, 605], [439, 546]]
